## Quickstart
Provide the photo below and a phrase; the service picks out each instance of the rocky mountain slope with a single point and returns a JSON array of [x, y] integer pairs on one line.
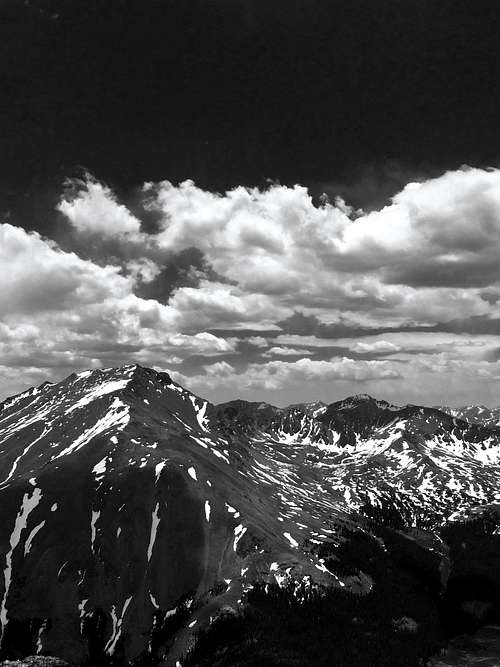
[[133, 514]]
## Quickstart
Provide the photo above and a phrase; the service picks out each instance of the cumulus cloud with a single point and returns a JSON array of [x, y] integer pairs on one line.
[[422, 258], [143, 270], [91, 208], [213, 304], [255, 276], [61, 313], [38, 276], [430, 253], [442, 232]]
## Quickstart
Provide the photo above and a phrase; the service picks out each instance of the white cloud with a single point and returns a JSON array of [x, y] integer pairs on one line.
[[213, 304], [94, 210], [423, 258], [282, 375], [38, 276], [378, 346], [278, 351], [201, 343], [429, 257], [143, 269], [442, 232], [258, 341], [61, 313]]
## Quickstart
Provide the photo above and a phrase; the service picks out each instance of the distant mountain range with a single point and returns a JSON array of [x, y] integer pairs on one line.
[[476, 414], [134, 513]]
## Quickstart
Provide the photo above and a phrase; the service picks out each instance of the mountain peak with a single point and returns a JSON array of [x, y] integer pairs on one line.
[[358, 400]]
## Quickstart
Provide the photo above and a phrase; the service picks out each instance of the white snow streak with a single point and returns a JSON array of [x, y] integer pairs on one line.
[[29, 540], [93, 530], [239, 531], [27, 506], [61, 568], [155, 520], [200, 412], [25, 451], [292, 541], [100, 390], [117, 627], [117, 416], [81, 609], [99, 469], [158, 468]]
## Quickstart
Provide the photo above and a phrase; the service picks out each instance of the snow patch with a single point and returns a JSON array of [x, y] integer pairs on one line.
[[155, 520], [239, 531], [101, 390], [292, 541], [117, 626], [99, 469], [117, 416], [200, 412], [27, 506], [93, 530], [29, 540], [158, 468], [25, 451]]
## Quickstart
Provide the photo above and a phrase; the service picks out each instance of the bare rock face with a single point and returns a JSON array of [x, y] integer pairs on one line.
[[132, 511]]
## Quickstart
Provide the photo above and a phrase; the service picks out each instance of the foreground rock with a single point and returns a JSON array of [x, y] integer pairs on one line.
[[35, 661]]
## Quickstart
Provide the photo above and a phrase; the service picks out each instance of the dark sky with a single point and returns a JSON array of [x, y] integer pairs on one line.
[[229, 92]]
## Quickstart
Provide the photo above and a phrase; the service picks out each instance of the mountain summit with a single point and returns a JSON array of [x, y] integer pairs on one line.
[[133, 512]]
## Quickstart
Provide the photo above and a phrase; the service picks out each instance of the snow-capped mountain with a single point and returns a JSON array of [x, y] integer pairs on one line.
[[133, 511], [476, 414]]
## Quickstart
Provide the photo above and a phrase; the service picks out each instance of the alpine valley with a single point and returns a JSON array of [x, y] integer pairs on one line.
[[141, 525]]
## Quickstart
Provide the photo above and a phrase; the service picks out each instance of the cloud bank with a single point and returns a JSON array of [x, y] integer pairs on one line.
[[264, 292]]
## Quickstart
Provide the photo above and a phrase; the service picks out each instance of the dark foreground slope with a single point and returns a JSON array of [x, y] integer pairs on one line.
[[134, 516]]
